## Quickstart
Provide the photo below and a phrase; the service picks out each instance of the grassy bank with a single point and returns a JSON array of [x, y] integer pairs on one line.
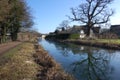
[[30, 62], [4, 58], [106, 41], [109, 41], [49, 69], [18, 63], [102, 43]]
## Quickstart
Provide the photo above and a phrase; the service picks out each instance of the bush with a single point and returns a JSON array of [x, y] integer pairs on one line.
[[58, 36], [74, 36], [63, 36]]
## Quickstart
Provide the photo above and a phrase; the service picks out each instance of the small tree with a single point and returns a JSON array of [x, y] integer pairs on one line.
[[64, 25], [92, 12]]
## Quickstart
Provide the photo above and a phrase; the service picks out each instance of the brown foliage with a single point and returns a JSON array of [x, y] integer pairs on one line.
[[4, 9], [49, 69]]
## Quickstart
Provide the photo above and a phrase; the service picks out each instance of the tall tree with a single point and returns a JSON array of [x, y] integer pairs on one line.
[[4, 12], [20, 17], [92, 12], [14, 14]]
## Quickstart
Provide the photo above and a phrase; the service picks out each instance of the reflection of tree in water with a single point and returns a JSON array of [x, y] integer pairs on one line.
[[93, 67], [93, 63], [75, 49]]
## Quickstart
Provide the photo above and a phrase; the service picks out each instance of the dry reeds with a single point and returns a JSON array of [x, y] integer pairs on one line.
[[49, 69]]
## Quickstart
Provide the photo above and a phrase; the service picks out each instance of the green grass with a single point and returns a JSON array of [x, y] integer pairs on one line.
[[74, 36], [110, 41], [20, 64], [8, 54]]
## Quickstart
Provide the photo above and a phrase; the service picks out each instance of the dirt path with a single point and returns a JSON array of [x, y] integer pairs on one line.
[[7, 46]]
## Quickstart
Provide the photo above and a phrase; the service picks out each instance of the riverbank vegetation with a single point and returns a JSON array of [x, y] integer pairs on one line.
[[77, 37], [95, 42], [107, 41], [49, 69], [107, 44], [63, 36]]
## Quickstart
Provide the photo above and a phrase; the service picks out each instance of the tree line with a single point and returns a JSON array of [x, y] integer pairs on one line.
[[14, 15]]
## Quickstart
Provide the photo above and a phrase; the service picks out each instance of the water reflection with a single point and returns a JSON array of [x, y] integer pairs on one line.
[[90, 63], [93, 67]]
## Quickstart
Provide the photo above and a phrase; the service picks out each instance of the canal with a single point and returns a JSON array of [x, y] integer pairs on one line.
[[83, 62]]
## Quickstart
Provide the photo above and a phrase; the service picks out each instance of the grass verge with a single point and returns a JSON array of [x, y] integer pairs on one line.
[[4, 58], [109, 41], [19, 64]]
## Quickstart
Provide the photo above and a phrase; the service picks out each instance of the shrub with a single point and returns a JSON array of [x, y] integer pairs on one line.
[[74, 36], [62, 36]]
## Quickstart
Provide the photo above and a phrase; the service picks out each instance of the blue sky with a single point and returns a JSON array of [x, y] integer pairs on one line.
[[48, 14]]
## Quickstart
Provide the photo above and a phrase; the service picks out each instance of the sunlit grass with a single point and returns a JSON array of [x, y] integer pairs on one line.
[[7, 55], [20, 64], [110, 41]]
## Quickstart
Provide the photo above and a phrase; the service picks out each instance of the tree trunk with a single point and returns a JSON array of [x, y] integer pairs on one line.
[[88, 31], [3, 38], [14, 36], [3, 34], [89, 27]]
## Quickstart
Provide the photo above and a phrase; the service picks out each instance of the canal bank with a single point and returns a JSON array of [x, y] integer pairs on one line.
[[48, 68], [95, 43]]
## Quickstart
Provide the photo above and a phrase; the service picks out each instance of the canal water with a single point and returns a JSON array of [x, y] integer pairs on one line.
[[83, 62]]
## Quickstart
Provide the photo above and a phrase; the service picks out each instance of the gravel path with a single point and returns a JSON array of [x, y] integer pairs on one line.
[[7, 46]]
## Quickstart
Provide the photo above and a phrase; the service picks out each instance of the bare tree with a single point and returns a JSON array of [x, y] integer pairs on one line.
[[92, 12], [63, 25]]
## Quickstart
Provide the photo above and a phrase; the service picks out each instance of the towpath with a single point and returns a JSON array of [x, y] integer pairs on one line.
[[7, 46]]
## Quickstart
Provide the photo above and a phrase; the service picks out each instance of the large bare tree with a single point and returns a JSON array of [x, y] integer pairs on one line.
[[92, 12]]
